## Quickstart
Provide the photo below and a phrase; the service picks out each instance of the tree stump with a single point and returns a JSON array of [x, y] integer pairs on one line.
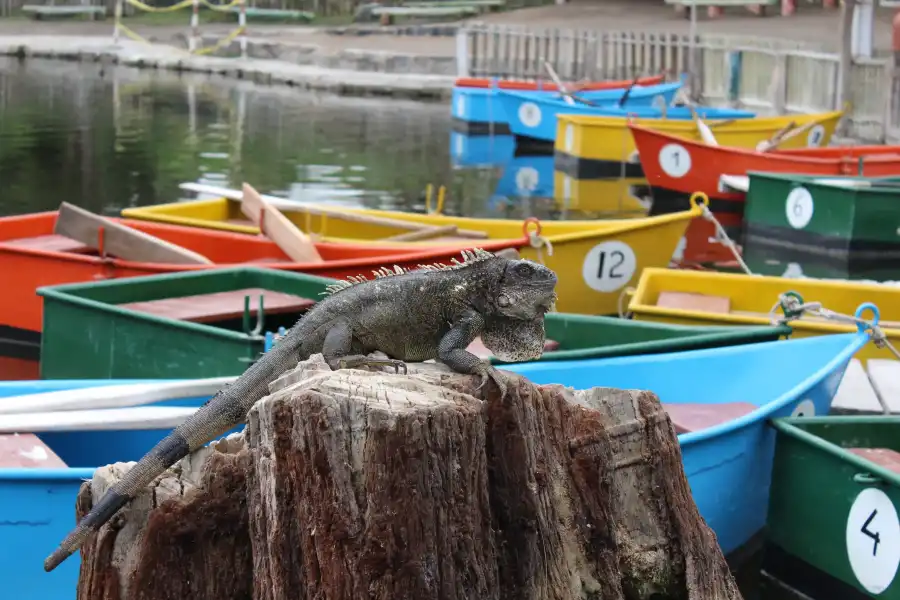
[[367, 484]]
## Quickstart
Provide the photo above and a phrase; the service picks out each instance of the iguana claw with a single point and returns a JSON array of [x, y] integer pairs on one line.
[[490, 372]]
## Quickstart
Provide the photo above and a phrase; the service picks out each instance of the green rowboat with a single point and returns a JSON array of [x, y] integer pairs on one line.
[[833, 529], [838, 216], [205, 324]]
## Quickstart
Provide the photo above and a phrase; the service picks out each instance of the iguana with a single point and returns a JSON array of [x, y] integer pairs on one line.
[[433, 312]]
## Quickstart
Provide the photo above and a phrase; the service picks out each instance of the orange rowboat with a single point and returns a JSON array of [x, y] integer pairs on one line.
[[677, 167], [531, 86], [31, 256]]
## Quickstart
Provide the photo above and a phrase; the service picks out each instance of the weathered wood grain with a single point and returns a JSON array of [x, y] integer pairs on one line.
[[367, 484]]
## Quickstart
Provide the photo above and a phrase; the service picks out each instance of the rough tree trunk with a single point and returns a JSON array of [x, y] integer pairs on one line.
[[354, 484]]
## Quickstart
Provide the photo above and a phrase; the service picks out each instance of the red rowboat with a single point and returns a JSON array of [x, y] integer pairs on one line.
[[530, 86], [676, 167], [31, 256]]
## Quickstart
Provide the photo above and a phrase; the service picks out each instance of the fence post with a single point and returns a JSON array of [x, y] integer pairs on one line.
[[117, 17], [242, 23], [195, 26], [462, 52], [846, 61]]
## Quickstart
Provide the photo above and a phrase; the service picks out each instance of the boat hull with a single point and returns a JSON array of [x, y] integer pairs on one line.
[[535, 117], [830, 504], [843, 217], [729, 465], [478, 111], [31, 268], [676, 168], [750, 299], [578, 246]]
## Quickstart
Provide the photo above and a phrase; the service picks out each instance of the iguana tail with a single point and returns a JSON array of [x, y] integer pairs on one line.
[[217, 416]]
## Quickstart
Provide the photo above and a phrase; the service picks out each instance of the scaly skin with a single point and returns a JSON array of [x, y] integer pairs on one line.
[[433, 312]]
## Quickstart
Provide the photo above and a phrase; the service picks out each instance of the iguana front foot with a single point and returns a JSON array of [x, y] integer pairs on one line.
[[351, 362], [488, 371]]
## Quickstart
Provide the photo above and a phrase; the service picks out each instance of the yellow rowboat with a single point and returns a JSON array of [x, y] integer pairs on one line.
[[710, 298], [603, 147], [594, 259]]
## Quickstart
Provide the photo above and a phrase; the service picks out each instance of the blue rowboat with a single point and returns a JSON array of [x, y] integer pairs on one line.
[[480, 150], [532, 116], [37, 505], [720, 400], [477, 111]]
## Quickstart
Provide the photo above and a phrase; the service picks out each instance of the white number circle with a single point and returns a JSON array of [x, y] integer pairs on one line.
[[806, 408], [460, 145], [674, 160], [815, 136], [461, 106], [873, 540], [799, 207], [530, 114], [527, 179], [608, 266], [570, 138]]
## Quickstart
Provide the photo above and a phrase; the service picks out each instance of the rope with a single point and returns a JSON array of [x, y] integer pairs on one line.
[[220, 7], [157, 9], [793, 307], [724, 239], [619, 303]]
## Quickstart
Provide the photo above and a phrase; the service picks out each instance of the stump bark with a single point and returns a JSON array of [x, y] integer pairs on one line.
[[366, 484]]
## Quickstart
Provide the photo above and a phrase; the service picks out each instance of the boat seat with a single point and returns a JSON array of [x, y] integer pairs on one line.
[[688, 417], [478, 348], [26, 450], [50, 243], [219, 306], [696, 302], [883, 457]]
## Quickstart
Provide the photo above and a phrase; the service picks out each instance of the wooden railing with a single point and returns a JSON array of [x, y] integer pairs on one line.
[[766, 75]]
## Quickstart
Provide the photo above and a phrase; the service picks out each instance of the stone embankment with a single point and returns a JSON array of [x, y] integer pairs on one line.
[[349, 72]]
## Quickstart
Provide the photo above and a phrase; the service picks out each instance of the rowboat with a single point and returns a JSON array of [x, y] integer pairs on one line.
[[595, 259], [832, 521], [719, 400], [535, 117], [602, 148], [37, 497], [669, 165], [32, 256], [712, 298], [478, 111], [843, 217]]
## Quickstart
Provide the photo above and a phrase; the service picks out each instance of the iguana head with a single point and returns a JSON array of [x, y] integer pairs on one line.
[[525, 290]]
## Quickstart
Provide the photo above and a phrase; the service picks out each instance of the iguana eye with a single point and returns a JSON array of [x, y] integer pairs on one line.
[[523, 269]]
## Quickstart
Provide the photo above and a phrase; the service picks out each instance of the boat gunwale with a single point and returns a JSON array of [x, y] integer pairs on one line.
[[787, 426], [785, 157], [63, 293], [744, 124], [609, 226], [423, 253]]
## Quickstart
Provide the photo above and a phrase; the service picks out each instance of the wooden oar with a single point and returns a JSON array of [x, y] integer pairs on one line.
[[705, 132], [115, 239], [627, 93], [112, 396], [278, 228], [792, 134], [319, 209], [567, 95]]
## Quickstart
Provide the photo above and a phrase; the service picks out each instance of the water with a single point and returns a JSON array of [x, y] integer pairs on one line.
[[108, 138]]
